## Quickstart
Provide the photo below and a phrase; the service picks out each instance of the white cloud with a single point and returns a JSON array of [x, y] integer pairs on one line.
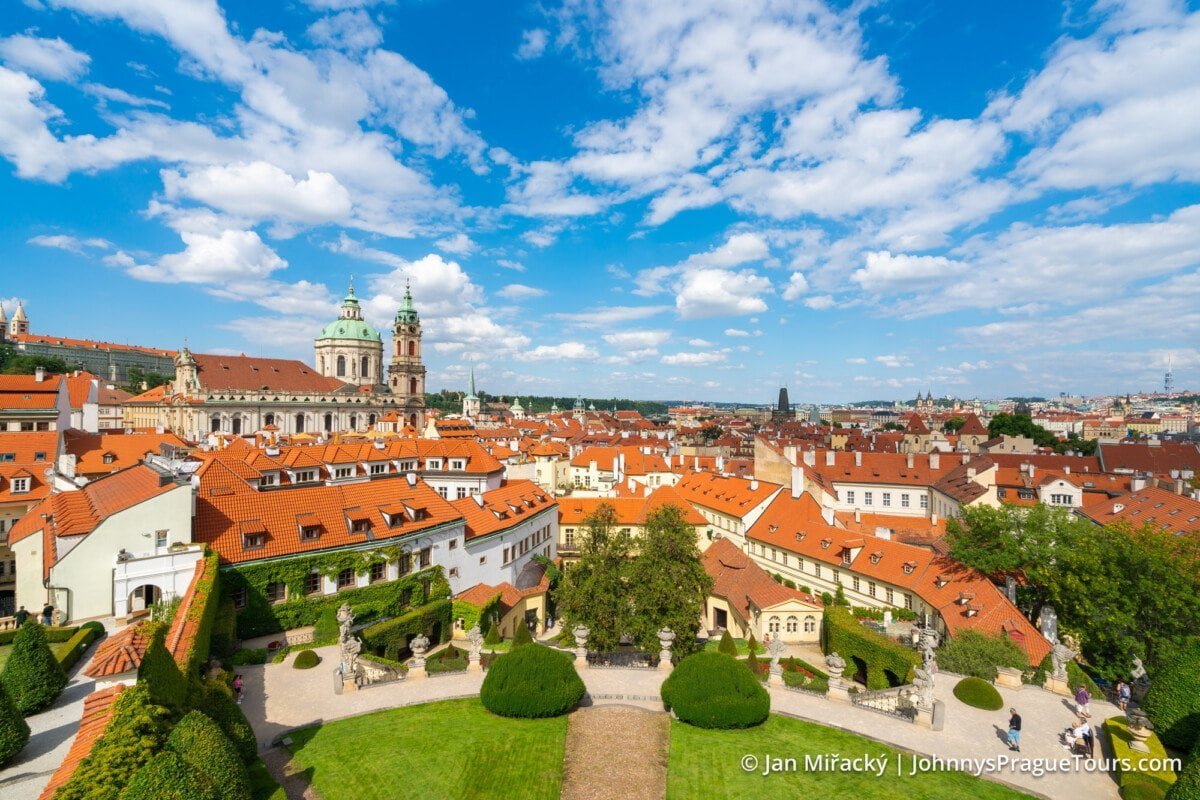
[[52, 59], [820, 302], [533, 44], [716, 292], [459, 244], [349, 30], [698, 359], [507, 263], [208, 257], [260, 190], [700, 343], [894, 361], [856, 361], [886, 273], [519, 291], [796, 287], [736, 332], [72, 244], [637, 339], [567, 351], [607, 316], [111, 94]]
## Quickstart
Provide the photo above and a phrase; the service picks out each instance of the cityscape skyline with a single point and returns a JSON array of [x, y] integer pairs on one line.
[[678, 207]]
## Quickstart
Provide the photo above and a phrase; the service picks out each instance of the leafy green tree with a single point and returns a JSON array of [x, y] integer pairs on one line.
[[667, 582], [709, 433], [752, 646], [595, 590], [14, 730], [839, 597], [200, 742], [1004, 424], [15, 364], [32, 675], [954, 424]]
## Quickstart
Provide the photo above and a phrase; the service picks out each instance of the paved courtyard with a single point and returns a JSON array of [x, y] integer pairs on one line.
[[279, 699]]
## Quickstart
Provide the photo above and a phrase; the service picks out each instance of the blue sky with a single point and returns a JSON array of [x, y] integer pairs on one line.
[[657, 200]]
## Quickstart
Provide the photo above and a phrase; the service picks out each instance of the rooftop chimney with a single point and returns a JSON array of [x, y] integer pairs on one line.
[[797, 481], [858, 458], [477, 497], [933, 519], [810, 458], [935, 460], [39, 374], [909, 461], [754, 484], [857, 515], [830, 458]]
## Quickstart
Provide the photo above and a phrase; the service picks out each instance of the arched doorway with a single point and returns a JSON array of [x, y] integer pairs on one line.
[[328, 422], [144, 596]]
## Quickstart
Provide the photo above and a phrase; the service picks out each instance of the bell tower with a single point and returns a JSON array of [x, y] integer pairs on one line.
[[407, 372]]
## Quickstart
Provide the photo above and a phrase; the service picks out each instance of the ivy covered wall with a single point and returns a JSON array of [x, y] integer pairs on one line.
[[260, 616]]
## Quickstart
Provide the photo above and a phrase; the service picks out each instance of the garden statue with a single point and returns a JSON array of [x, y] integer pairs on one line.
[[475, 637], [666, 637], [928, 643], [775, 648], [1139, 682], [836, 665], [1060, 655], [351, 647], [923, 682], [345, 618], [1048, 622], [419, 645]]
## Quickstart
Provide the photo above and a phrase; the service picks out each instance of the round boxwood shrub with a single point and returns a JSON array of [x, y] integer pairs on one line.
[[1173, 702], [168, 777], [712, 690], [32, 675], [978, 693], [306, 659], [95, 627], [208, 751], [14, 730], [532, 681]]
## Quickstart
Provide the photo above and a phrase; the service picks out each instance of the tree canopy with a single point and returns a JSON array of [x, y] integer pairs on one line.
[[1004, 424], [1124, 591]]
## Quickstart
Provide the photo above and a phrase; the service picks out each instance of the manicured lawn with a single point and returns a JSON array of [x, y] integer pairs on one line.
[[452, 749], [7, 648], [743, 646], [705, 764]]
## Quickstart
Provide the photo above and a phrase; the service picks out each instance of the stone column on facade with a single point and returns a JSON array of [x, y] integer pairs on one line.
[[666, 637], [419, 646], [581, 636], [475, 637], [775, 649], [835, 665]]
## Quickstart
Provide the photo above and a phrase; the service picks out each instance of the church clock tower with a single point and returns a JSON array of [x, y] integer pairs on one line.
[[407, 372]]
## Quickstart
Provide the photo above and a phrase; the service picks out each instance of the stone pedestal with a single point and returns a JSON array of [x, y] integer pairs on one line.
[[416, 673], [349, 686], [838, 691], [924, 717], [775, 678], [474, 665], [1008, 677], [932, 717], [1057, 685], [666, 637]]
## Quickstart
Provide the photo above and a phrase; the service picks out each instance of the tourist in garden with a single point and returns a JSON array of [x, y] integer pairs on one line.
[[1123, 695], [1014, 730], [1080, 733], [237, 687], [47, 615], [1082, 698], [21, 616]]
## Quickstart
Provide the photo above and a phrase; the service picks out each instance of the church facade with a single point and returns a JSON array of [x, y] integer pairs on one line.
[[346, 391]]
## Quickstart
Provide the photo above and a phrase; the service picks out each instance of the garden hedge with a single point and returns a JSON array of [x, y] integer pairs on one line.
[[136, 731], [1187, 786], [521, 635], [727, 645], [532, 681], [217, 701], [159, 672], [200, 742], [202, 611], [1173, 702], [69, 654], [842, 634], [388, 599], [168, 777], [326, 629], [978, 693], [306, 659], [976, 654], [1135, 783], [53, 635], [391, 637], [32, 675], [14, 730], [224, 641], [712, 690]]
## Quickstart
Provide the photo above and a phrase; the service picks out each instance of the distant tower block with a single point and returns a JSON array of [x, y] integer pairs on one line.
[[1168, 379]]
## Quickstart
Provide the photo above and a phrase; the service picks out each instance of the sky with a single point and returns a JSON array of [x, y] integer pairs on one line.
[[691, 200]]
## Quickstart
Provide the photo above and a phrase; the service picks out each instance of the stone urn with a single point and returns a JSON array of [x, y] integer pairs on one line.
[[666, 637], [1140, 729], [419, 646], [581, 634], [475, 638]]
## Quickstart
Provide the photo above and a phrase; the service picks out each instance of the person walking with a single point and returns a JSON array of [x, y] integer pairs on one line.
[[1082, 698], [47, 615], [21, 616], [1014, 730], [1124, 694], [237, 688]]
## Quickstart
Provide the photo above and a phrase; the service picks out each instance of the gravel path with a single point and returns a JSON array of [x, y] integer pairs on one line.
[[616, 753]]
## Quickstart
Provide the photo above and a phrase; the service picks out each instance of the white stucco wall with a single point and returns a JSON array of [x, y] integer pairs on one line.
[[465, 558]]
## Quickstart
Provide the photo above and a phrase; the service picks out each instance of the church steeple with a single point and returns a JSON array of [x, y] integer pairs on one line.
[[407, 371], [470, 405]]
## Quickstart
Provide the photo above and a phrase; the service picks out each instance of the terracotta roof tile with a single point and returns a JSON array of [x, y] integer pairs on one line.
[[121, 652], [97, 711]]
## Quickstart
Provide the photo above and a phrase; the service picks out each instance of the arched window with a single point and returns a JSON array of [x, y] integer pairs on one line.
[[269, 419], [341, 366], [353, 422], [215, 424], [810, 624], [365, 372], [299, 423], [370, 420], [412, 347], [793, 625], [328, 422], [773, 625], [237, 426], [412, 385]]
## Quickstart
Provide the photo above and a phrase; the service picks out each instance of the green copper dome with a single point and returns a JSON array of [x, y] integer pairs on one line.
[[350, 329]]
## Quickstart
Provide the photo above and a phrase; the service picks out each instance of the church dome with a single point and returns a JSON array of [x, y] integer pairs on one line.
[[350, 324]]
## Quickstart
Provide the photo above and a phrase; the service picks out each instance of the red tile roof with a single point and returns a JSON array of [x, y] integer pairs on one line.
[[734, 497], [254, 374], [185, 625], [97, 453], [1159, 459], [511, 504], [629, 510], [97, 711], [744, 584], [482, 593], [90, 344], [1150, 506], [121, 652], [972, 427]]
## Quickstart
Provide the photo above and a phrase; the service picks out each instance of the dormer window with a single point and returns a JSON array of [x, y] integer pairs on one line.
[[109, 458], [876, 557], [825, 543], [360, 526], [458, 465], [254, 541], [909, 567], [433, 463], [941, 581], [800, 536], [20, 485], [306, 476], [772, 528], [310, 533]]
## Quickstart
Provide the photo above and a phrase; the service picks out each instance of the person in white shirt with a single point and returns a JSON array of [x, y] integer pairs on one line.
[[1079, 733]]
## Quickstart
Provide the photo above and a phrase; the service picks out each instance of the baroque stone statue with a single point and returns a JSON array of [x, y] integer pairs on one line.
[[1048, 622], [475, 637], [775, 649], [419, 646], [1061, 655], [836, 665]]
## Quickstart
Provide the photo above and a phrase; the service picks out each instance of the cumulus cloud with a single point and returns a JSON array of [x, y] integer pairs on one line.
[[533, 44], [607, 316], [900, 273], [894, 361], [567, 351], [736, 332], [820, 302], [52, 59], [259, 190], [637, 339], [72, 244], [705, 285], [696, 359], [519, 291], [459, 244]]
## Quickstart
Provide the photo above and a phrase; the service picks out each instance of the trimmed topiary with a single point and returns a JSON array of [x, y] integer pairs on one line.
[[532, 681], [521, 635], [978, 693], [493, 635], [727, 645], [976, 654], [168, 687], [752, 646], [168, 777], [306, 659], [327, 628], [96, 628], [208, 751], [14, 730], [1173, 702], [33, 677], [218, 703], [712, 690], [1187, 786]]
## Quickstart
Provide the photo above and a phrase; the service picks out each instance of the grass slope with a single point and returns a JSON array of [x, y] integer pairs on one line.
[[707, 763], [451, 749]]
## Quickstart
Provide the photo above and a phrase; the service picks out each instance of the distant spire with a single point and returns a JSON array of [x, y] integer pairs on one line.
[[352, 284]]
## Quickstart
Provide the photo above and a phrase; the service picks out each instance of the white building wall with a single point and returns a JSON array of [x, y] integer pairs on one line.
[[466, 558]]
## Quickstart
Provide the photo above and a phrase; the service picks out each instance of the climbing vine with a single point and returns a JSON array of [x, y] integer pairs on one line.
[[260, 616]]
